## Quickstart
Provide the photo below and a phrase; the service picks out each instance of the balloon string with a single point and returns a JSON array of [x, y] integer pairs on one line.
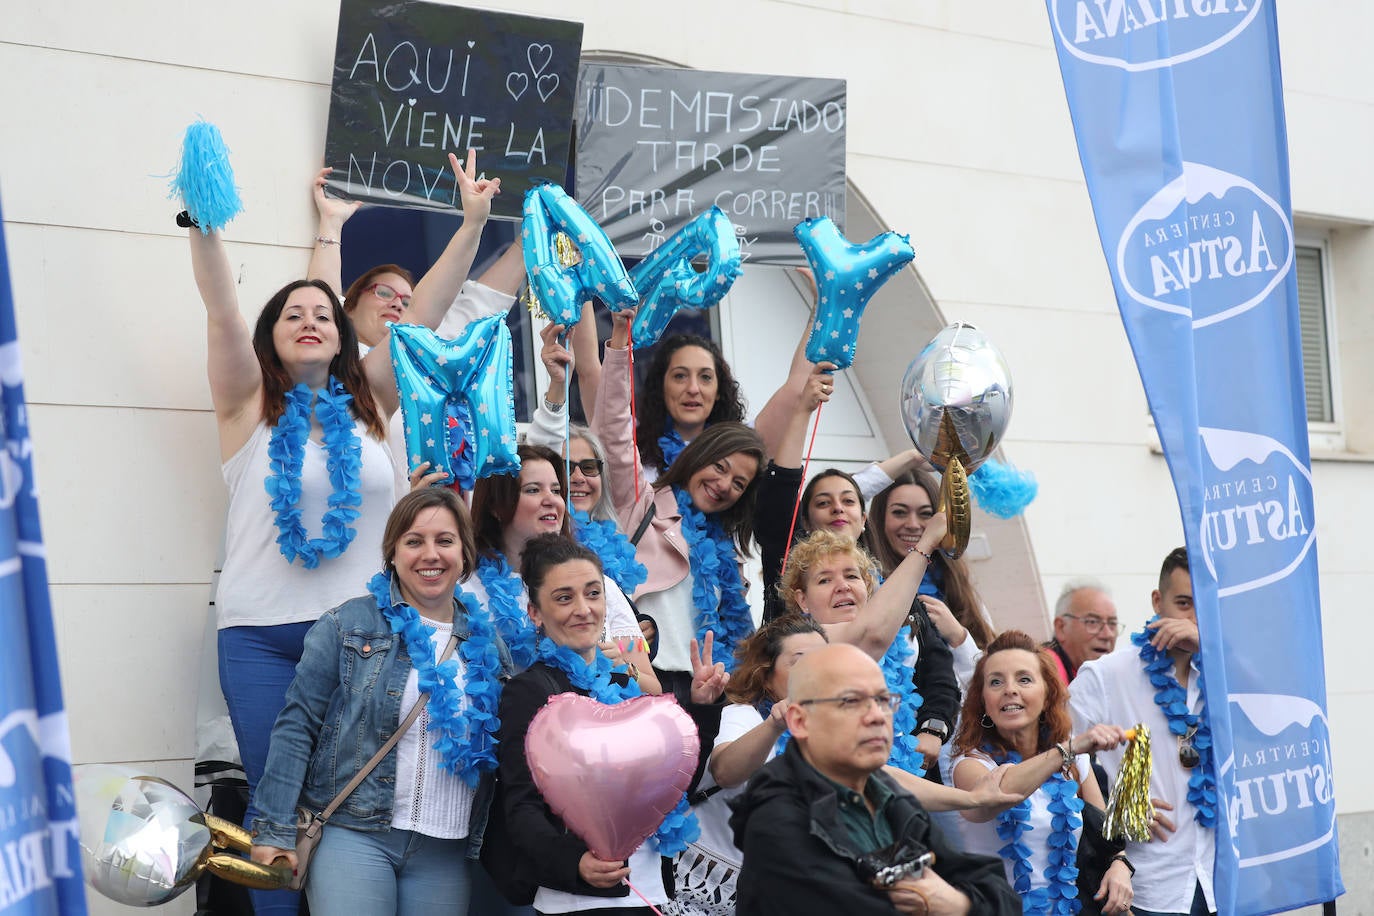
[[796, 506], [634, 423], [567, 427], [626, 882]]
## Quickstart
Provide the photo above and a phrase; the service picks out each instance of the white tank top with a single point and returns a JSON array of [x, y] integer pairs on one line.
[[257, 586]]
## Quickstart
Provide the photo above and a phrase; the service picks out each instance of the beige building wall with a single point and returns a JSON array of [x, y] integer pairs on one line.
[[959, 135]]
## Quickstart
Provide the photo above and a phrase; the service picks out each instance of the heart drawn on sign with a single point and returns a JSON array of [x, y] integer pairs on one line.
[[547, 86], [539, 56], [612, 773], [516, 84]]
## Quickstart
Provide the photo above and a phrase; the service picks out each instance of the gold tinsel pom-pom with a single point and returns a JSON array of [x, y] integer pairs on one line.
[[569, 255], [1129, 810]]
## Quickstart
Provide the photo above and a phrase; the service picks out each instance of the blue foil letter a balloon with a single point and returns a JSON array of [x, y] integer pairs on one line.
[[667, 282], [435, 376], [563, 288], [847, 276]]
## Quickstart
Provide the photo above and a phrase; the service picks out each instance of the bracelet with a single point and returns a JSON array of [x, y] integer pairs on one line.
[[551, 407], [929, 558], [323, 240], [1065, 748], [1121, 857]]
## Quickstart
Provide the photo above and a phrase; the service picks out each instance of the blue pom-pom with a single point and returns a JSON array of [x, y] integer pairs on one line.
[[204, 179], [1002, 491]]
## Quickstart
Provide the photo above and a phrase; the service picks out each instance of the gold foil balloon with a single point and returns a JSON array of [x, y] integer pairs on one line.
[[956, 403], [144, 841]]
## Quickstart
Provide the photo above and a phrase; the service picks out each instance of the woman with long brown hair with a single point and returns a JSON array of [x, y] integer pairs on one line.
[[1016, 711], [301, 419]]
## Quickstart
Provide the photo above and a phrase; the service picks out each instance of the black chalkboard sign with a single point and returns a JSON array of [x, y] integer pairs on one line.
[[658, 145], [414, 81]]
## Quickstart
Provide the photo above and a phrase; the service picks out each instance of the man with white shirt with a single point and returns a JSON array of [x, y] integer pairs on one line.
[[1174, 868]]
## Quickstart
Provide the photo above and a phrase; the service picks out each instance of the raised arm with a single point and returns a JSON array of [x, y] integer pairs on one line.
[[232, 366], [613, 425], [326, 259], [879, 475], [877, 623], [440, 285], [588, 359], [773, 420]]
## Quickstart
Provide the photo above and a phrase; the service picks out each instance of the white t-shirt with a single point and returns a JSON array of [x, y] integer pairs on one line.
[[1114, 689], [983, 838]]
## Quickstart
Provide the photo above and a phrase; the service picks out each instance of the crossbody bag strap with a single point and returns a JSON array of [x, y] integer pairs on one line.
[[385, 749], [643, 524]]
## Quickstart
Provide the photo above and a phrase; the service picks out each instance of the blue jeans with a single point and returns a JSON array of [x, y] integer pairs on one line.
[[382, 873], [256, 665], [1199, 907]]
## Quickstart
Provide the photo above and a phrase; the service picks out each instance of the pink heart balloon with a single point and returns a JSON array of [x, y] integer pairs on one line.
[[612, 773]]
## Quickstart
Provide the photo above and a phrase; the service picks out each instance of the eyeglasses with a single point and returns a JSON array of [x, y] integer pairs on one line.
[[1188, 756], [1093, 624], [386, 294], [858, 702], [590, 467]]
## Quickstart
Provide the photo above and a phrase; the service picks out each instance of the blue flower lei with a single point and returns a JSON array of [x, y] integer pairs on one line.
[[1060, 895], [900, 682], [679, 827], [604, 538], [1172, 699], [286, 457], [506, 598], [671, 442], [717, 589], [466, 739]]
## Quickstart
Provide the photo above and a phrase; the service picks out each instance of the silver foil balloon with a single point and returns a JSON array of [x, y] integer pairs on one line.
[[144, 841], [956, 398], [956, 403]]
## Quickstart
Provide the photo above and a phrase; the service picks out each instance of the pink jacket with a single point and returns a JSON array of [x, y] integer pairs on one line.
[[662, 549]]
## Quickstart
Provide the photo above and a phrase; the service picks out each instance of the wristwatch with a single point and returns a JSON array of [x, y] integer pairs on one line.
[[937, 727]]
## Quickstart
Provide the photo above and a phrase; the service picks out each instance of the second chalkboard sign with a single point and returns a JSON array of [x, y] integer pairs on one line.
[[657, 146], [414, 81]]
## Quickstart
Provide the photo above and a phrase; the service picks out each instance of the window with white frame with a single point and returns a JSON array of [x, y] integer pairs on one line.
[[1311, 268]]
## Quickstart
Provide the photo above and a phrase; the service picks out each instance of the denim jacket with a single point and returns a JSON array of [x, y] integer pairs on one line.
[[342, 707]]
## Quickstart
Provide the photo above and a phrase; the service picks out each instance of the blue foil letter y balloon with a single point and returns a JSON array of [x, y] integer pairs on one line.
[[562, 289], [434, 376], [847, 276]]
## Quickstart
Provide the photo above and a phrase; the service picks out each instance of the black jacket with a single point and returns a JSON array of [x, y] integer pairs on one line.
[[547, 852], [797, 858], [935, 680]]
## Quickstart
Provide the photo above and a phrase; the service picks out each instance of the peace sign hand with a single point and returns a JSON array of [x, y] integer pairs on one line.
[[476, 193], [708, 680]]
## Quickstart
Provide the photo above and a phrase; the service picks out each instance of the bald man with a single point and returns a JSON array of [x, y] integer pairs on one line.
[[815, 821]]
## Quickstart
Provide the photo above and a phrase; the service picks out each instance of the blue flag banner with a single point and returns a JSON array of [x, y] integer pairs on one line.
[[40, 861], [1177, 108]]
